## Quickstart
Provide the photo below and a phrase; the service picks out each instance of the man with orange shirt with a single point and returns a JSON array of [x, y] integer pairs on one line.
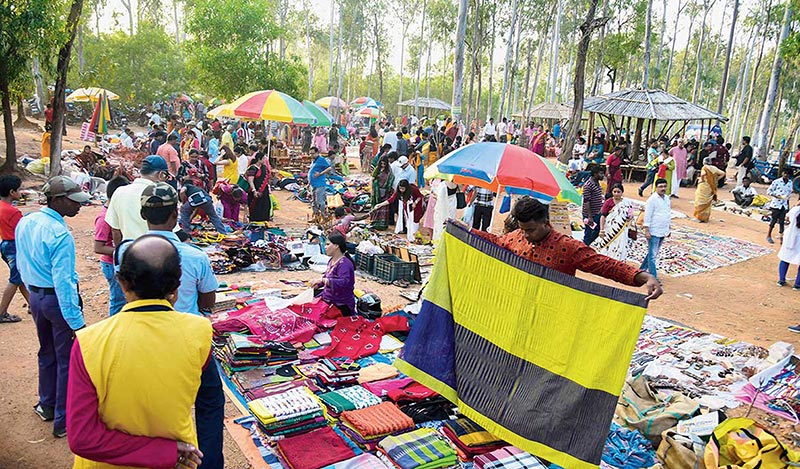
[[536, 240], [9, 217]]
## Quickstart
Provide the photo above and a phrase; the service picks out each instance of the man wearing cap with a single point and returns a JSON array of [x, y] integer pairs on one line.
[[196, 293], [402, 169], [124, 209], [46, 262]]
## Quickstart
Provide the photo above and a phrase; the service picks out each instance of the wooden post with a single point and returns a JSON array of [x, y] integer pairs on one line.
[[637, 139], [590, 130]]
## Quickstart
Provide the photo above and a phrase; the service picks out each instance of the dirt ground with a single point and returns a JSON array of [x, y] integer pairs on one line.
[[739, 301]]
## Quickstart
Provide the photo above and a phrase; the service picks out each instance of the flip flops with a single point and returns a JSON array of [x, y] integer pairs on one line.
[[6, 317]]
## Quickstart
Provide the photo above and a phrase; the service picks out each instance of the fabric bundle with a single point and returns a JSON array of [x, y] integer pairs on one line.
[[362, 461], [248, 380], [421, 449], [350, 398], [382, 388], [259, 320], [536, 357], [368, 426], [509, 457], [330, 373], [470, 439], [290, 412], [272, 389], [246, 351], [628, 449], [313, 450]]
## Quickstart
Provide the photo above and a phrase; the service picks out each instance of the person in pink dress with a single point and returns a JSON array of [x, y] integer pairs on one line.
[[680, 154]]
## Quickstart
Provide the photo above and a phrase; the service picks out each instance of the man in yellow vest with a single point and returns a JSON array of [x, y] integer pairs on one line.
[[134, 376]]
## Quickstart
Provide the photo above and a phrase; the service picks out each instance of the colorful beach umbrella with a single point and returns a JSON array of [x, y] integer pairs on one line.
[[369, 111], [271, 105], [223, 110], [323, 117], [181, 97], [93, 94], [513, 168], [331, 101], [364, 101], [101, 116]]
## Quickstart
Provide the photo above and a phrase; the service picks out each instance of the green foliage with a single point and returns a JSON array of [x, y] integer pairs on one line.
[[229, 54], [141, 68]]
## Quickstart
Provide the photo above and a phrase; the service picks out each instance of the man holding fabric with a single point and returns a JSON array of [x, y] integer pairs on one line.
[[46, 262], [536, 240]]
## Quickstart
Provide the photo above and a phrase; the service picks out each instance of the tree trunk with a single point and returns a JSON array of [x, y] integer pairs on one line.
[[776, 117], [586, 28], [458, 68], [428, 69], [598, 65], [529, 61], [330, 45], [489, 107], [59, 106], [419, 62], [648, 32], [536, 76], [698, 69], [402, 56], [728, 54], [308, 46], [661, 41], [509, 49], [475, 55], [128, 4], [378, 54], [756, 67], [339, 71], [769, 103], [281, 41], [10, 165], [177, 22], [741, 84], [672, 49], [684, 65], [556, 44], [81, 58]]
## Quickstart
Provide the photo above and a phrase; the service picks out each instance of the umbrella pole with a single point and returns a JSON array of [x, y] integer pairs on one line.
[[496, 209]]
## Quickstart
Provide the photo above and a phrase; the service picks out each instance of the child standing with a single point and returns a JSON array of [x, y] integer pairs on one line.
[[104, 245], [9, 217]]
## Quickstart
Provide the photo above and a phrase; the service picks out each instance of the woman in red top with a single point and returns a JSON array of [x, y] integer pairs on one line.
[[410, 208], [613, 170]]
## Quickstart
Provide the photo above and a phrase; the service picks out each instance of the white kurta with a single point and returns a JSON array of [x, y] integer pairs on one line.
[[790, 249]]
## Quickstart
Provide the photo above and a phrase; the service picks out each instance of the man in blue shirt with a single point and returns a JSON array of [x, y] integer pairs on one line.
[[46, 262], [196, 293], [316, 178]]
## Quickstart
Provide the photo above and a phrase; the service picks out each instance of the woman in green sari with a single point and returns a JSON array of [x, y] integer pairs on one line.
[[382, 188]]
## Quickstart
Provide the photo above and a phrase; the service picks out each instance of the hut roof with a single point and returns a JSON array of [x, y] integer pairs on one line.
[[548, 111], [648, 104], [429, 103]]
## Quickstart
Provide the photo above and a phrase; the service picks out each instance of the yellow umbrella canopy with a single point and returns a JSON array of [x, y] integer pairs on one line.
[[84, 95], [223, 110]]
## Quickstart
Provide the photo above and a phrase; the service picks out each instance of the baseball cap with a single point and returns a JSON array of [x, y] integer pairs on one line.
[[154, 163], [158, 195], [63, 186]]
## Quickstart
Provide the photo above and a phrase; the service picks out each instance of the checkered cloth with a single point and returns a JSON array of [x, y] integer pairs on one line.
[[509, 457], [423, 448], [484, 197]]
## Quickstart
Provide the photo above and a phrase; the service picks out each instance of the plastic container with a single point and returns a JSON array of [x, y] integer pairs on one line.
[[365, 262], [390, 268]]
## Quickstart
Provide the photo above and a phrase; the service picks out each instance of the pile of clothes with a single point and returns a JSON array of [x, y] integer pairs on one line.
[[470, 439], [367, 427], [242, 352], [290, 412], [421, 449]]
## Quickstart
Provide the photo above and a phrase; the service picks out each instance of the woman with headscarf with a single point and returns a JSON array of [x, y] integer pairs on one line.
[[382, 183], [321, 141], [706, 192], [258, 175]]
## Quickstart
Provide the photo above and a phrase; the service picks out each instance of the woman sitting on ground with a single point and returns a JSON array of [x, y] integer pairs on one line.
[[339, 280]]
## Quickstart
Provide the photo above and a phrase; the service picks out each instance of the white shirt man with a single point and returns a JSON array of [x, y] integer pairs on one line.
[[390, 138], [489, 130], [502, 128], [401, 169], [657, 212]]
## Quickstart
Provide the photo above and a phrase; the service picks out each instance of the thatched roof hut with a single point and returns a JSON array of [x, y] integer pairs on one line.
[[657, 105], [555, 111], [426, 103]]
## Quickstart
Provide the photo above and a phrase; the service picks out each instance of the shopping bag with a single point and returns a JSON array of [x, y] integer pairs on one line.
[[740, 443], [679, 451], [468, 214], [505, 204]]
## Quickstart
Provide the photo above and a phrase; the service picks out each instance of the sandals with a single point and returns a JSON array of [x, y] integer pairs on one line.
[[6, 317]]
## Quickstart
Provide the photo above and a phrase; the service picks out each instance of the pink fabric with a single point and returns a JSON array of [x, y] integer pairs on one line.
[[281, 325], [382, 388], [102, 232], [89, 437], [680, 160]]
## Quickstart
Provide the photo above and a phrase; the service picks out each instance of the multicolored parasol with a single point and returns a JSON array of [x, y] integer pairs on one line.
[[331, 101], [369, 111], [324, 119], [513, 168], [270, 105], [84, 95], [365, 101], [101, 116]]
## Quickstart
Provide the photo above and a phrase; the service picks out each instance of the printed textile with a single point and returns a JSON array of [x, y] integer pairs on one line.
[[507, 458], [314, 449], [534, 356], [350, 398], [363, 461], [382, 419], [421, 449]]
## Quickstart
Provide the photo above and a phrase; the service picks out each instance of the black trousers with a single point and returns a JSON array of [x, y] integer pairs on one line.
[[482, 217]]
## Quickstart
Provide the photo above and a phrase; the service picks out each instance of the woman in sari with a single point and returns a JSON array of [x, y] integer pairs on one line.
[[706, 192], [614, 170], [382, 183], [257, 175], [616, 217], [410, 208]]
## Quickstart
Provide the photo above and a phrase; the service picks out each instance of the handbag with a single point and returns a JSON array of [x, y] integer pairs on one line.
[[739, 443], [633, 233]]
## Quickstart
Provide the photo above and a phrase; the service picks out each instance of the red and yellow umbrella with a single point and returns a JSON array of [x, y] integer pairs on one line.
[[270, 105], [101, 116], [364, 101], [331, 101]]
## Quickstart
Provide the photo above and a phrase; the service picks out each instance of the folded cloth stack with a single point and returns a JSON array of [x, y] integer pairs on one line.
[[509, 457], [254, 378], [272, 389], [288, 413], [368, 426], [350, 398], [423, 448], [242, 352], [428, 409], [383, 387], [362, 461], [330, 373], [470, 439], [313, 450]]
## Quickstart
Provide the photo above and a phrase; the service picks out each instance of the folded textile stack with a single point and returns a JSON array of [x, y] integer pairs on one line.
[[368, 426], [470, 439], [509, 457], [242, 352], [350, 398], [362, 461], [288, 413], [313, 450], [331, 373], [272, 389], [421, 449]]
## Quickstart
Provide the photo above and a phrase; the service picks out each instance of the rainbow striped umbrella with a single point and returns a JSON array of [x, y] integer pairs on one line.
[[494, 165], [101, 116], [324, 119], [271, 105], [364, 101], [369, 111], [331, 101]]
